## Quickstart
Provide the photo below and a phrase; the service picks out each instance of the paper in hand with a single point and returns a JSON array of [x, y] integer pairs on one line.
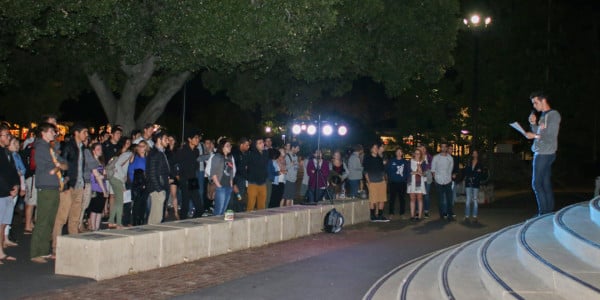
[[518, 128]]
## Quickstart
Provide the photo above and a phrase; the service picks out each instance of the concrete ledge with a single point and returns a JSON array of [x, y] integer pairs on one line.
[[113, 253], [85, 255]]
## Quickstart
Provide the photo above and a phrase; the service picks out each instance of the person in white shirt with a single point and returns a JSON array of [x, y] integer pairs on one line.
[[441, 169]]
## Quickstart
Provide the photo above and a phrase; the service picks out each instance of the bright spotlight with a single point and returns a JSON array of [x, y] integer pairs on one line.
[[311, 129], [342, 130], [268, 129], [475, 19], [488, 21], [296, 129], [327, 130], [303, 127]]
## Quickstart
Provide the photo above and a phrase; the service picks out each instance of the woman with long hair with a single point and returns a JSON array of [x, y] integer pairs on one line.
[[174, 186], [222, 171], [99, 191], [338, 174], [416, 183], [472, 173], [115, 218]]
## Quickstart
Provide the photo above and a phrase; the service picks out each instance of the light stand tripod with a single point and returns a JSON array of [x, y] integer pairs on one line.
[[318, 167]]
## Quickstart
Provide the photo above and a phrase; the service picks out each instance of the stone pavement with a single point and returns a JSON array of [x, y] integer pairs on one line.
[[320, 266]]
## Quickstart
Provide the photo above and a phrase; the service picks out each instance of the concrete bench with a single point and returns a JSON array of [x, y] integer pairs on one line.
[[112, 253]]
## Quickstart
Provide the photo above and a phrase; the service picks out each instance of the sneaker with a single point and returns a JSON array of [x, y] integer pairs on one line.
[[426, 214], [374, 219], [474, 220], [466, 219], [382, 218]]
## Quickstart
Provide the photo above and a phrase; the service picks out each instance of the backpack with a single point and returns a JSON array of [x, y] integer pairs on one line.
[[28, 157], [110, 167], [333, 221]]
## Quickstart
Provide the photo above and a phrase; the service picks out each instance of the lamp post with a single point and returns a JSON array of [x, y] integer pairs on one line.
[[319, 127], [477, 24]]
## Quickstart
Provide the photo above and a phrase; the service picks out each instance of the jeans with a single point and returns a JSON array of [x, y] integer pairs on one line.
[[353, 188], [426, 197], [445, 199], [222, 197], [472, 196], [541, 182]]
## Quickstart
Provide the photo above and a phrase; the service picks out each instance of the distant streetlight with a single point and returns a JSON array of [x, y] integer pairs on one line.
[[474, 23]]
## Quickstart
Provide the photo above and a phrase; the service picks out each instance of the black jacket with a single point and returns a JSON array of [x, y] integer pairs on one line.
[[70, 153], [187, 159], [257, 166], [8, 173], [157, 171]]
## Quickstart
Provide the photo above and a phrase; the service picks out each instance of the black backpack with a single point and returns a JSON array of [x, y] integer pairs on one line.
[[333, 221]]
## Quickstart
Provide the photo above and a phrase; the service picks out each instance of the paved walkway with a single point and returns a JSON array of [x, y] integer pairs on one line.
[[320, 266]]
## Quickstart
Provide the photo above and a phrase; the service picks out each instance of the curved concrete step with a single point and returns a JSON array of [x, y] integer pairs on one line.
[[388, 286], [502, 272], [574, 229], [595, 210], [421, 282], [555, 265], [460, 275]]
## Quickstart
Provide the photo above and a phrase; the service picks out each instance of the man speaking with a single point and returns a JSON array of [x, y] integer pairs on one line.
[[544, 133]]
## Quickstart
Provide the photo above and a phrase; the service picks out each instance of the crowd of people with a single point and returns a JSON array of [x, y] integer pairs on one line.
[[114, 180]]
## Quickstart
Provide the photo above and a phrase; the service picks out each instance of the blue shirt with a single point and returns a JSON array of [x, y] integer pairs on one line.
[[138, 163]]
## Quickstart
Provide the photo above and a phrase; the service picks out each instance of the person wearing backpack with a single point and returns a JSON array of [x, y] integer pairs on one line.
[[117, 178], [28, 154]]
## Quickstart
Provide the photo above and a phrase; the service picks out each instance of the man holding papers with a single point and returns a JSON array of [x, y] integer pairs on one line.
[[544, 133]]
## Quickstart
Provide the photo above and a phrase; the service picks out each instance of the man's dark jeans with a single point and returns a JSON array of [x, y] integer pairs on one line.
[[445, 199], [541, 182]]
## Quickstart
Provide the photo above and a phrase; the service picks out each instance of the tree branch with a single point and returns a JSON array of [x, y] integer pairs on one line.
[[137, 77], [165, 92], [105, 94]]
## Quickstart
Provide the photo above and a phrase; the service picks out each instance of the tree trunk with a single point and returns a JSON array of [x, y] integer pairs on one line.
[[122, 111], [157, 105]]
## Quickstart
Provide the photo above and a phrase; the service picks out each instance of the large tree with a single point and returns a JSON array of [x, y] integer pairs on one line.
[[129, 49], [262, 52]]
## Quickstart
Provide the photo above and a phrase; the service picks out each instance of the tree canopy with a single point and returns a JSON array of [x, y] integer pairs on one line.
[[262, 52]]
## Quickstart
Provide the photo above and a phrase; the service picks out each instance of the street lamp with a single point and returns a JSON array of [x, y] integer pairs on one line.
[[474, 22]]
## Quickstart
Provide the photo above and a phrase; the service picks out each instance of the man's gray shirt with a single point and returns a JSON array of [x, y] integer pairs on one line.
[[547, 143]]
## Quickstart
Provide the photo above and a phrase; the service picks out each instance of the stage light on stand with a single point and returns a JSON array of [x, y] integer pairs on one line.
[[327, 130], [342, 130], [296, 129], [311, 129]]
